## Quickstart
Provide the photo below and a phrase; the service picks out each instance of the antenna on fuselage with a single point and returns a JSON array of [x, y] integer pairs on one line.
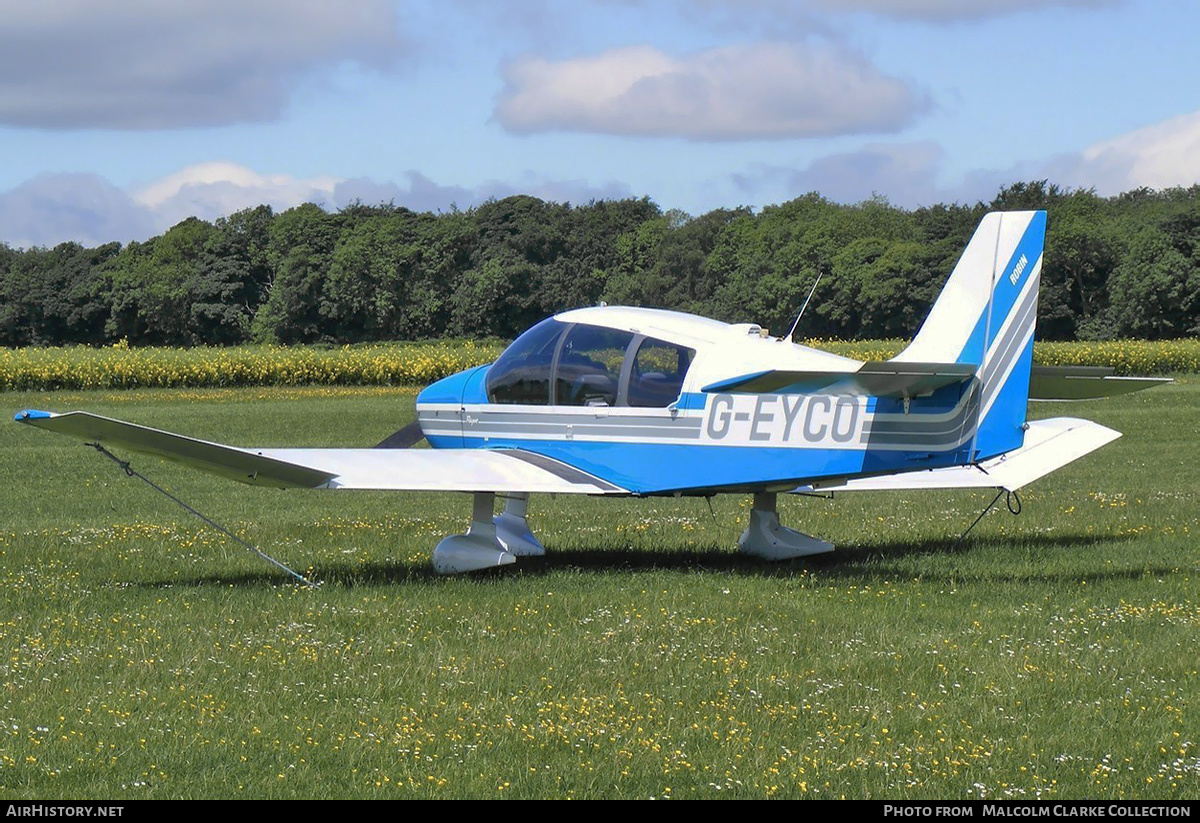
[[787, 338]]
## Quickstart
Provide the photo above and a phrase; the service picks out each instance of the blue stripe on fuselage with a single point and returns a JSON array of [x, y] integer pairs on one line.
[[1006, 291], [692, 400], [649, 468]]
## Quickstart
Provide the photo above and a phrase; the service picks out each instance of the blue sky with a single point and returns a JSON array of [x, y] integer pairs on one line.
[[119, 119]]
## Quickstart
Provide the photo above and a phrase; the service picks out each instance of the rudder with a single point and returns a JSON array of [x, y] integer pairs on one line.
[[985, 316]]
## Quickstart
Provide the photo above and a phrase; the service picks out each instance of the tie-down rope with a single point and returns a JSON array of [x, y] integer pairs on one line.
[[129, 471]]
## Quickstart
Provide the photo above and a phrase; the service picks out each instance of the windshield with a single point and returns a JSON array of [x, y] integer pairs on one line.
[[522, 373], [581, 365]]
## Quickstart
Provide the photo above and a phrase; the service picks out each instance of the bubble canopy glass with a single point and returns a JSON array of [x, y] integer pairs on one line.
[[577, 364]]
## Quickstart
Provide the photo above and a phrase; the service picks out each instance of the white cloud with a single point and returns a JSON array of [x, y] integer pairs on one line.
[[422, 194], [53, 208], [905, 173], [1160, 156], [805, 17], [574, 191], [145, 64], [754, 91], [211, 190], [948, 10]]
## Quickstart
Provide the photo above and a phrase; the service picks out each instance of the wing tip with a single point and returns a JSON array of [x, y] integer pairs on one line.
[[25, 415]]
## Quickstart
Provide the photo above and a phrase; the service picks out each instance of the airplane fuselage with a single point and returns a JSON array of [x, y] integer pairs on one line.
[[697, 441]]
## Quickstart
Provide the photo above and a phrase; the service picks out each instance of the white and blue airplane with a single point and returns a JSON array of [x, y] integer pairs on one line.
[[640, 402]]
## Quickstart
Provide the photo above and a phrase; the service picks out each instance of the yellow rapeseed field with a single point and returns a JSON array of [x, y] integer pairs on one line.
[[1126, 357], [121, 367], [415, 364]]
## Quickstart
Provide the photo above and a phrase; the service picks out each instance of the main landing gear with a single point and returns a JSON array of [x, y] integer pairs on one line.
[[490, 540], [499, 539], [766, 538]]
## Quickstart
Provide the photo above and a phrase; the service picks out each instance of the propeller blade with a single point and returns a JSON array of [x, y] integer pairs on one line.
[[406, 438]]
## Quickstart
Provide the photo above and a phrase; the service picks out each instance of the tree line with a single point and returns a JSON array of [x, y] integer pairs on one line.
[[1122, 266]]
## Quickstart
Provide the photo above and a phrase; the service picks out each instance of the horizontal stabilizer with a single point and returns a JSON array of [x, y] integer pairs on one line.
[[467, 470], [874, 379], [1049, 445], [1084, 383]]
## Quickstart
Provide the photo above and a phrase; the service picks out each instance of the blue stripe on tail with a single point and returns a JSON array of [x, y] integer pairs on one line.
[[1009, 283], [985, 317]]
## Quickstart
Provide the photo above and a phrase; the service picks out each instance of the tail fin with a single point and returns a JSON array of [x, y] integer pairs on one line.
[[985, 317]]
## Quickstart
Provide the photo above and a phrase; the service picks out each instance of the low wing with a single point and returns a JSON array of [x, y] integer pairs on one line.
[[384, 469], [1049, 445], [1084, 383], [878, 379]]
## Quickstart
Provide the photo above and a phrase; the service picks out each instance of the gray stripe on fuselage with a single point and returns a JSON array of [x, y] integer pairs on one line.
[[916, 422], [560, 414], [570, 474], [485, 428], [945, 434], [553, 424]]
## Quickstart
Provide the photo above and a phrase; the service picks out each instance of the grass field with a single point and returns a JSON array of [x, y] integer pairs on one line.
[[1051, 655]]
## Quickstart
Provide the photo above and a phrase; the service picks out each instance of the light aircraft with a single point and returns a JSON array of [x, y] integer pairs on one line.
[[632, 401]]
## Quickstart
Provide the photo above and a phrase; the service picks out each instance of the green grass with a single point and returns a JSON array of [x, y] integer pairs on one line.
[[1051, 655]]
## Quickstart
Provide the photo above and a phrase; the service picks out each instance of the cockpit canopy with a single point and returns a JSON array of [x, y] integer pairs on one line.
[[576, 364]]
